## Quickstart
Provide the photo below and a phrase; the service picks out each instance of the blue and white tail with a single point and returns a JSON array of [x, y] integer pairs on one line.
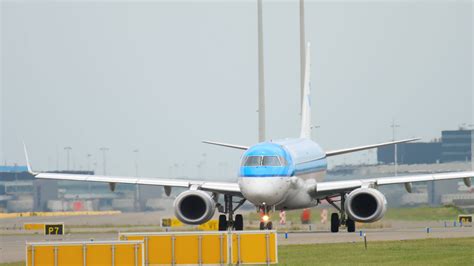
[[306, 108]]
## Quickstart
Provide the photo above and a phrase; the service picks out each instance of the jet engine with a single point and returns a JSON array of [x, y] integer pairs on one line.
[[365, 205], [194, 207]]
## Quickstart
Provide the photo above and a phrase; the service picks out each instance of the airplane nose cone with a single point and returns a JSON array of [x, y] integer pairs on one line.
[[265, 190]]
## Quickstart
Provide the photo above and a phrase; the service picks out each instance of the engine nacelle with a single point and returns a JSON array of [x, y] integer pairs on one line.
[[194, 207], [365, 205]]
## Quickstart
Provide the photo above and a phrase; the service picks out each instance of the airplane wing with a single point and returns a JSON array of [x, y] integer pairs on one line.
[[218, 187], [334, 187], [360, 148], [239, 147]]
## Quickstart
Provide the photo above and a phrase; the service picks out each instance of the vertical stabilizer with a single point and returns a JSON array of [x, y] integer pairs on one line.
[[306, 108]]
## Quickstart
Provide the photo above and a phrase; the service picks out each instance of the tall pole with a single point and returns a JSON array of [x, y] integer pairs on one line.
[[261, 91], [395, 153], [136, 151], [137, 191], [104, 150], [472, 147], [68, 150], [88, 156], [89, 169], [302, 50]]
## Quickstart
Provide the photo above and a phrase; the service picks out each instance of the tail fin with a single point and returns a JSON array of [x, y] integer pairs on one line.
[[306, 108]]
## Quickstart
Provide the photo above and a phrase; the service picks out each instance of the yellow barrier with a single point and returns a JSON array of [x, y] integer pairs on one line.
[[49, 214], [210, 247], [28, 226], [85, 253], [252, 248]]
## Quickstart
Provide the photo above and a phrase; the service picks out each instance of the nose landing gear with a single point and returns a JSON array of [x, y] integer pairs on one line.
[[228, 223], [337, 221], [265, 222]]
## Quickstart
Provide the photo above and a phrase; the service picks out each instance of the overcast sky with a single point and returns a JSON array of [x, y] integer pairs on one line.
[[162, 76]]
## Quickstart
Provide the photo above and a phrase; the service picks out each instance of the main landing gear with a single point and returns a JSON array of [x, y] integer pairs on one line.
[[229, 223], [336, 220]]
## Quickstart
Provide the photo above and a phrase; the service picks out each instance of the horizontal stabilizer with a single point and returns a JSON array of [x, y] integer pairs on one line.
[[226, 145], [361, 148]]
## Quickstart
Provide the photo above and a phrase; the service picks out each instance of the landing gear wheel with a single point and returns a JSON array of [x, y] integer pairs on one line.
[[269, 226], [222, 223], [350, 224], [335, 222], [239, 222], [262, 226]]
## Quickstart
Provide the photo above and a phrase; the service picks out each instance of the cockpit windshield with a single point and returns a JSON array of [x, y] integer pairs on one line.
[[264, 161], [253, 161]]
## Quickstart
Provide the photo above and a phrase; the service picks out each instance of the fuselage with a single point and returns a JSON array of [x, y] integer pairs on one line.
[[276, 173]]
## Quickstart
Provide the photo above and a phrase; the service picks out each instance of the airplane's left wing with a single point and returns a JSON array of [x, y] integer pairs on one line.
[[218, 187], [334, 187]]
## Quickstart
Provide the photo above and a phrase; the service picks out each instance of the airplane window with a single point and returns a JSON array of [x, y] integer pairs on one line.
[[271, 161], [253, 161]]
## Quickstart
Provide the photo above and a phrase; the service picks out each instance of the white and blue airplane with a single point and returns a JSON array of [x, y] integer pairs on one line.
[[277, 175]]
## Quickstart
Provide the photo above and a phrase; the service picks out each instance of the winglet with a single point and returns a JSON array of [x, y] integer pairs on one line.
[[30, 170]]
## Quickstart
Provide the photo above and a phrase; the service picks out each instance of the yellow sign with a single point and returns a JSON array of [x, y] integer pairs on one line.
[[29, 226], [212, 225], [47, 228], [54, 229], [171, 222]]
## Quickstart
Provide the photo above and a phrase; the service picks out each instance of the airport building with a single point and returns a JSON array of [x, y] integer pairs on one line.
[[21, 192], [454, 146], [411, 153]]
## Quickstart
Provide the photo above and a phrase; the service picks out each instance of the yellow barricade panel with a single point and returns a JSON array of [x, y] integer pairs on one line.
[[211, 249], [125, 255], [186, 249], [98, 255], [70, 255], [46, 257], [159, 249], [253, 248], [180, 248], [95, 253]]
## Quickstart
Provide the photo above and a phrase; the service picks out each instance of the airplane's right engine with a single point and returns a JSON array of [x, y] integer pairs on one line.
[[365, 205], [194, 207]]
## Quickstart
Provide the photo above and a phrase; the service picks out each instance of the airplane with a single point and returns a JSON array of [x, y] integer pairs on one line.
[[277, 175]]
